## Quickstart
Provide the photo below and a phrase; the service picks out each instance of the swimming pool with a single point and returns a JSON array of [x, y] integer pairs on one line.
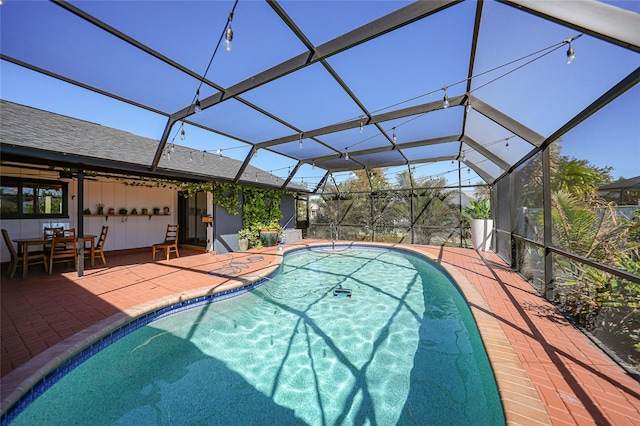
[[290, 352]]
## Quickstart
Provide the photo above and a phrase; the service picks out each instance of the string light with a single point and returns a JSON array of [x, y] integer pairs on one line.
[[183, 136], [300, 141], [313, 165], [204, 152], [361, 124], [395, 138], [191, 157], [228, 34], [197, 107], [453, 163], [507, 145], [468, 106], [445, 100], [346, 154]]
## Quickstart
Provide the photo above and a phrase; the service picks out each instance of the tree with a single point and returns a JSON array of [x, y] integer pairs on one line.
[[579, 177]]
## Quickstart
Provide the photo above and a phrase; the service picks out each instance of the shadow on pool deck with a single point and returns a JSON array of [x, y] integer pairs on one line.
[[576, 381]]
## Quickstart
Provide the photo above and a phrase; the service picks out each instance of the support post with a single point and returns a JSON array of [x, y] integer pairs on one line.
[[80, 222], [548, 289]]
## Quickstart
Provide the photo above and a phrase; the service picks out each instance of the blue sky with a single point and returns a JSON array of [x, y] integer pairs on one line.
[[543, 104]]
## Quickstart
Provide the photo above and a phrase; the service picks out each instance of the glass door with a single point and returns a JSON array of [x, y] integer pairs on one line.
[[193, 231]]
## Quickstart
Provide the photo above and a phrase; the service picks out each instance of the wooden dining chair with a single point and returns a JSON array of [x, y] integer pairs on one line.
[[169, 244], [49, 231], [63, 249], [98, 250], [34, 257]]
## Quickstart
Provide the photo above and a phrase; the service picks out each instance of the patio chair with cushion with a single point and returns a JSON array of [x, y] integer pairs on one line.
[[63, 249], [16, 261], [169, 244]]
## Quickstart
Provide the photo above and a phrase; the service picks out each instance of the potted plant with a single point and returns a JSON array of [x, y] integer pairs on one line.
[[86, 211], [100, 207], [145, 210], [244, 235], [122, 211], [156, 210], [479, 212], [166, 210], [134, 211], [269, 233]]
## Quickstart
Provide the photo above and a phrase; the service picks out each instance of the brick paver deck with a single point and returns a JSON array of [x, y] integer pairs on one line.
[[547, 370]]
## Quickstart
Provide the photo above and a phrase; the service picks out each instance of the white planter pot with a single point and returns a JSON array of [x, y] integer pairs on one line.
[[243, 244], [481, 232]]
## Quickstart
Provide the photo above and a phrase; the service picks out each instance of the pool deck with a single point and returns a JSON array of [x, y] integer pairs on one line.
[[548, 372]]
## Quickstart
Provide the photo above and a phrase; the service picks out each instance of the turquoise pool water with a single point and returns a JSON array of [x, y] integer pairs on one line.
[[404, 349]]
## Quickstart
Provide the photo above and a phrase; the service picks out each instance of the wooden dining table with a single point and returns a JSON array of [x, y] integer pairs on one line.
[[25, 243]]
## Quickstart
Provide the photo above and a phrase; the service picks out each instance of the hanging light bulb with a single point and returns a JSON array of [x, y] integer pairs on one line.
[[464, 156], [173, 148], [255, 153], [313, 165], [413, 168], [203, 152], [183, 136], [453, 163], [468, 106], [571, 55], [395, 138], [361, 124], [445, 100], [302, 180], [468, 171], [300, 141], [169, 156], [191, 157], [228, 38], [507, 145], [346, 155], [197, 108]]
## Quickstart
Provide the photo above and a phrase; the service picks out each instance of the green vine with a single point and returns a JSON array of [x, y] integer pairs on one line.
[[261, 207], [225, 194]]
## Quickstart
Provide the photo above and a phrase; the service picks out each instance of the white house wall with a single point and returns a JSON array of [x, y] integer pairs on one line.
[[130, 231]]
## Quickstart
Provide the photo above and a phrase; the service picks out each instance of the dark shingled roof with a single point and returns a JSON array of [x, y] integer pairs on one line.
[[44, 135], [630, 183]]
